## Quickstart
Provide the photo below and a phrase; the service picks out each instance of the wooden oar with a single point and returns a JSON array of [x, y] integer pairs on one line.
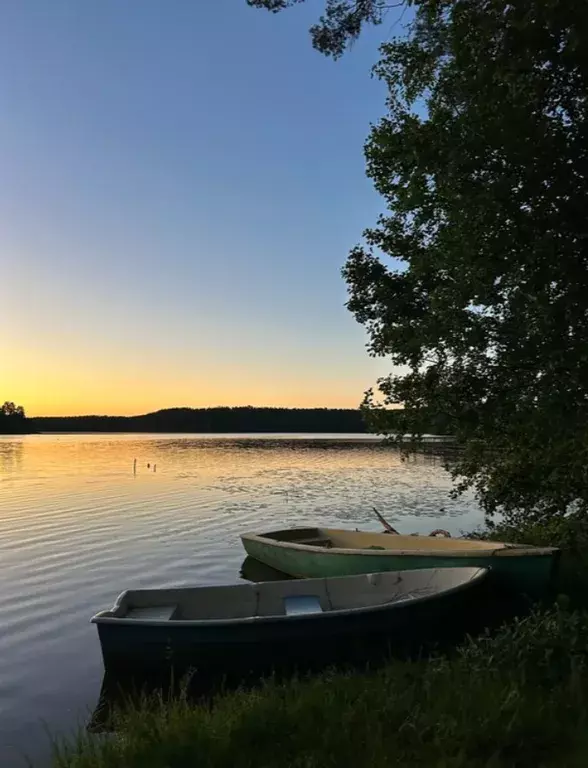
[[385, 523]]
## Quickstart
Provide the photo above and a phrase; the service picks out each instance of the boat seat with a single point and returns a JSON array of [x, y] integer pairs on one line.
[[152, 612], [314, 542], [295, 605]]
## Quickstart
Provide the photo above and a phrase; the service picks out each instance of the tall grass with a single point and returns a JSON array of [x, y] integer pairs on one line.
[[518, 698]]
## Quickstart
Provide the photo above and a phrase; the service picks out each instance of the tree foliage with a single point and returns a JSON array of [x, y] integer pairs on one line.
[[482, 160], [9, 409], [12, 418], [341, 23]]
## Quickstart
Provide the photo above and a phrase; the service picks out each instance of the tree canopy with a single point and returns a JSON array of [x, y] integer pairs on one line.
[[476, 280], [341, 23], [12, 418]]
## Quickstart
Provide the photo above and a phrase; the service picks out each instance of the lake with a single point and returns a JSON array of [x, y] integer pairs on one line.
[[77, 526]]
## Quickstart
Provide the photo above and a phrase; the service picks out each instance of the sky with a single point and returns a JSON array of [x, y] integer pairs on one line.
[[181, 183]]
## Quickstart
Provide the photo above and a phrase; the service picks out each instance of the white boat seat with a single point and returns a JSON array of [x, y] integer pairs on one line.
[[295, 605], [152, 612]]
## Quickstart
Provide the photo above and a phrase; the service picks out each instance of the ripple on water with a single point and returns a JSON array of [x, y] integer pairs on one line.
[[77, 527]]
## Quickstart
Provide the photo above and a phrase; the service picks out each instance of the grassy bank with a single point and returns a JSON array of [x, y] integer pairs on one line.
[[515, 698]]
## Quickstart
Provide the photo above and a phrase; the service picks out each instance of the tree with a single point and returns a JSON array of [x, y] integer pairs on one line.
[[10, 409], [341, 23], [482, 159], [12, 418], [483, 162]]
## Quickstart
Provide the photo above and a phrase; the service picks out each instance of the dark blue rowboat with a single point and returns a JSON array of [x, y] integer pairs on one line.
[[300, 622]]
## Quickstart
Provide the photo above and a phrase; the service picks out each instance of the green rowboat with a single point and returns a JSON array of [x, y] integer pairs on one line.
[[317, 552]]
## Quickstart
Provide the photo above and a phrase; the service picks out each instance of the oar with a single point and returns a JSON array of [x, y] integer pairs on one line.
[[385, 523]]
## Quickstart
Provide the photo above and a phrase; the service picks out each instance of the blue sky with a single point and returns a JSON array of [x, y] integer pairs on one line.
[[181, 182]]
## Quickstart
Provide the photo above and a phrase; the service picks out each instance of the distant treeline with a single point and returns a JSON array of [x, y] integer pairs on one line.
[[246, 419], [217, 420]]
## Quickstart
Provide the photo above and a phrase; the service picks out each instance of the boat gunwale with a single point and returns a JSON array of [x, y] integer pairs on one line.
[[505, 550], [479, 573]]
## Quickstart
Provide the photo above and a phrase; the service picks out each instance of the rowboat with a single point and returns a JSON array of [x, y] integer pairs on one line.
[[249, 626], [315, 552]]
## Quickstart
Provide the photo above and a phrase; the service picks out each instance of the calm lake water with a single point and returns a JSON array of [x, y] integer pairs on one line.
[[77, 527]]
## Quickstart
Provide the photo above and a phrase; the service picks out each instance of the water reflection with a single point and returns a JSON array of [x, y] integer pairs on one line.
[[77, 528], [253, 570], [11, 454]]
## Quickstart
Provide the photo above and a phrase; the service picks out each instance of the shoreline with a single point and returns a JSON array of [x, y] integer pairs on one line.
[[512, 696]]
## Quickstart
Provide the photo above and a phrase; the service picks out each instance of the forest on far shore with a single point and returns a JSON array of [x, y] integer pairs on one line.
[[204, 420]]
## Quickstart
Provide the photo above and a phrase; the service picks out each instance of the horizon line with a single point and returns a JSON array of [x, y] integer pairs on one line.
[[198, 408]]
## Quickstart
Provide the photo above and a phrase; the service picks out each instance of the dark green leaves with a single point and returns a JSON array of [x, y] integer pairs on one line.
[[483, 162], [341, 23], [12, 418]]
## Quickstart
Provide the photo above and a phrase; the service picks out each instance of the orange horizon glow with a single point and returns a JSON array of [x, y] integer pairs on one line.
[[51, 381], [57, 411], [53, 392], [37, 404], [99, 413], [134, 402], [160, 253]]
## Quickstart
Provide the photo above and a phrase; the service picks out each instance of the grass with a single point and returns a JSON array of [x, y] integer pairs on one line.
[[516, 698]]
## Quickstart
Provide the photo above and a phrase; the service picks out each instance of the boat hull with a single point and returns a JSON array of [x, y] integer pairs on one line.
[[217, 652], [527, 573]]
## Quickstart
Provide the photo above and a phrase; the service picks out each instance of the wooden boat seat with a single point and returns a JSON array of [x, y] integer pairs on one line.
[[295, 605], [153, 612], [321, 541]]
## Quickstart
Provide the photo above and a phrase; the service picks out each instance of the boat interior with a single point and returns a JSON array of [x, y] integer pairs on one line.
[[341, 539], [286, 598]]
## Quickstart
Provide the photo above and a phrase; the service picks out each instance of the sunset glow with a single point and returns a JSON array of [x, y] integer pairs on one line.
[[173, 226]]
